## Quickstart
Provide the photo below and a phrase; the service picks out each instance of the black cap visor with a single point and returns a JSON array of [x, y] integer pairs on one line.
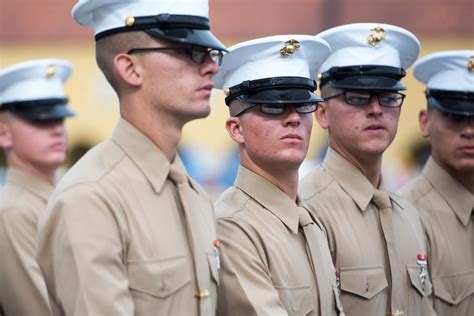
[[40, 110], [453, 102], [285, 90], [186, 29], [364, 77]]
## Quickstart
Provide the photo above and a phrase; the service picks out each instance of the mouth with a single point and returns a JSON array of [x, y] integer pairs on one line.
[[58, 146], [293, 137], [207, 87], [375, 127], [469, 149]]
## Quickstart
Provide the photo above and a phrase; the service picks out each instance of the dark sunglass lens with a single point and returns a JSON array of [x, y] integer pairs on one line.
[[199, 55], [391, 99], [306, 108], [272, 109], [357, 98]]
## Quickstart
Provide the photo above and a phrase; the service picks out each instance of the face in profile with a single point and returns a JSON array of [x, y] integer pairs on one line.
[[41, 144], [178, 81]]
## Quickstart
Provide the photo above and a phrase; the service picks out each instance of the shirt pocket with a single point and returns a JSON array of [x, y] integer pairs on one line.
[[414, 274], [158, 278], [365, 282], [454, 289], [297, 300]]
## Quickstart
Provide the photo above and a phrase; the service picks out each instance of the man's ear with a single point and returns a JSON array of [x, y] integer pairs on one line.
[[321, 115], [6, 141], [129, 69], [234, 128], [423, 119]]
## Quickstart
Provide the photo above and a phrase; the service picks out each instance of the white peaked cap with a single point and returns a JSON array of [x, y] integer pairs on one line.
[[34, 80], [271, 57]]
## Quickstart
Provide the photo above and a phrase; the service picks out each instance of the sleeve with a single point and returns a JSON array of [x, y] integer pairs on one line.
[[246, 286], [81, 245], [22, 288]]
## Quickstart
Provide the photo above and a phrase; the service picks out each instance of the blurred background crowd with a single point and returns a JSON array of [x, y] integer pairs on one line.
[[31, 29]]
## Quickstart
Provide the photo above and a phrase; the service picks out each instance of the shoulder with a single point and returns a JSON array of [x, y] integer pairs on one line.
[[416, 189], [96, 164], [314, 183], [230, 202]]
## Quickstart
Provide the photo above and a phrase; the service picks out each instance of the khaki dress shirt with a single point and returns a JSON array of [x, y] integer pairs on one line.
[[446, 209], [114, 241], [265, 266], [341, 197], [22, 288]]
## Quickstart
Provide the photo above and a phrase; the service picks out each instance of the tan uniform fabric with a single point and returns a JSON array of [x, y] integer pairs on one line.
[[266, 265], [341, 197], [22, 288], [114, 240], [447, 216]]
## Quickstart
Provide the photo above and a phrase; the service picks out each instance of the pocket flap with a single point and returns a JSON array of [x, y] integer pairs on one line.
[[414, 273], [454, 289], [363, 281], [297, 300], [160, 277]]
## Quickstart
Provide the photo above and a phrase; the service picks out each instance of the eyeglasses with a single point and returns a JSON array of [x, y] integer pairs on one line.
[[359, 98], [278, 108], [197, 54]]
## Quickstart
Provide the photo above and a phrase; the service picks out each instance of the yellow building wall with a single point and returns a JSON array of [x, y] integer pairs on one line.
[[97, 106]]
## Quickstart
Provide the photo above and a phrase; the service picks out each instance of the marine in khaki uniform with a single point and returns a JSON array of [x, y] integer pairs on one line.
[[275, 257], [127, 232], [33, 107], [375, 237], [444, 192]]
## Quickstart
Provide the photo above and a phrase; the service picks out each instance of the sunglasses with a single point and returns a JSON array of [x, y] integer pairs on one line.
[[277, 109], [197, 54], [359, 98]]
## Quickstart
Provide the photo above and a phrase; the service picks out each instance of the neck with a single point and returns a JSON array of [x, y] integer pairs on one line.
[[370, 165], [283, 177], [162, 129], [464, 177], [47, 174]]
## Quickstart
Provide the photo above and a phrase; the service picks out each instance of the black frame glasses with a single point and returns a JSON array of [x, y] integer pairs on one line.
[[198, 54], [388, 99], [280, 108]]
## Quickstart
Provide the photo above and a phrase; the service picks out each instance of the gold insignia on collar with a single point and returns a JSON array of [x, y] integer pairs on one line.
[[376, 36], [129, 21], [290, 47], [50, 71], [470, 64], [320, 77], [227, 92]]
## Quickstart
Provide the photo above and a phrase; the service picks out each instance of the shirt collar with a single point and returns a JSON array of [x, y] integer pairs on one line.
[[352, 181], [143, 152], [270, 197], [456, 195], [29, 182]]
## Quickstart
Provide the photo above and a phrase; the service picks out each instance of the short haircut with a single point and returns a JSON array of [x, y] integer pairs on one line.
[[110, 46]]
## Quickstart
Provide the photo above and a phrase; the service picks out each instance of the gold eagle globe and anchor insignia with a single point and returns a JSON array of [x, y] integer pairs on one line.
[[377, 35], [50, 71], [289, 48], [470, 64], [129, 21]]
